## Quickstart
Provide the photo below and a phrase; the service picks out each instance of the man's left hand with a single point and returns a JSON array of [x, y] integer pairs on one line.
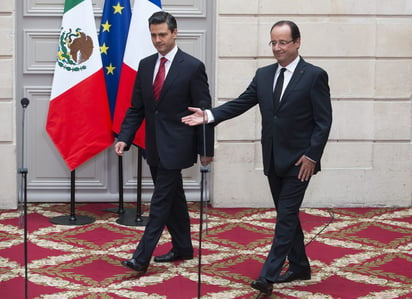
[[307, 168], [204, 160]]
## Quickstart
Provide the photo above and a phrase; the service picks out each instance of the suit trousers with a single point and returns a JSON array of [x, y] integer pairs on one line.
[[168, 207], [288, 242]]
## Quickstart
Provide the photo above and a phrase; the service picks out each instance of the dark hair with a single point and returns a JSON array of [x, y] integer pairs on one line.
[[161, 17], [293, 28]]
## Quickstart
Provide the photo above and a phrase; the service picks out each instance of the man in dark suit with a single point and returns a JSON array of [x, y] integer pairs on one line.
[[166, 84], [294, 101]]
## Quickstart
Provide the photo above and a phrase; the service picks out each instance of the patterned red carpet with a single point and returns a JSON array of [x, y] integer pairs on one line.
[[355, 253]]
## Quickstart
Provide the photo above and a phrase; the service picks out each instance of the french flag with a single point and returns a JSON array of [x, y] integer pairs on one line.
[[139, 45]]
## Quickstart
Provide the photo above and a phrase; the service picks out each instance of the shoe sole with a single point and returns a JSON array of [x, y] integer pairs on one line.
[[175, 260], [286, 281], [140, 272], [261, 290]]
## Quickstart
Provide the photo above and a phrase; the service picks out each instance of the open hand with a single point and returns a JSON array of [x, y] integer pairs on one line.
[[205, 160], [197, 118]]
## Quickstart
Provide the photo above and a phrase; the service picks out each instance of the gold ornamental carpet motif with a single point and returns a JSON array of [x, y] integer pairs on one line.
[[354, 253]]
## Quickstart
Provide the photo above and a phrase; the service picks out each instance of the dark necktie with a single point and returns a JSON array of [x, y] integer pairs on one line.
[[278, 88], [160, 78]]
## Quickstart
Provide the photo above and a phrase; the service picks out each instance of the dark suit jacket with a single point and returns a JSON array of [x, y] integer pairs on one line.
[[301, 123], [168, 141]]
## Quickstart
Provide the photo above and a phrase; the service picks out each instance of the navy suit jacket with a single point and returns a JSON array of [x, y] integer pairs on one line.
[[169, 142], [301, 123]]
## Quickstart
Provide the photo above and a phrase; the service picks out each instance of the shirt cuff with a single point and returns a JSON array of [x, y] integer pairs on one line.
[[210, 117], [310, 159]]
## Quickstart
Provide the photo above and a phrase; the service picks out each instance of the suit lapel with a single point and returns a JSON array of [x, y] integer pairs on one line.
[[150, 73], [172, 73], [296, 76], [268, 84]]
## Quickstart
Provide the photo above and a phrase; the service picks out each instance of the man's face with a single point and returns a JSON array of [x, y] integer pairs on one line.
[[162, 38], [284, 49]]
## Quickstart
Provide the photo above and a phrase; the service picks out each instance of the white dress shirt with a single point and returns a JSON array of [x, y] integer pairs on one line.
[[290, 68], [169, 56]]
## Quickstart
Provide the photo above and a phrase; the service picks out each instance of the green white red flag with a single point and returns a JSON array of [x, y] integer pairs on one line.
[[78, 120]]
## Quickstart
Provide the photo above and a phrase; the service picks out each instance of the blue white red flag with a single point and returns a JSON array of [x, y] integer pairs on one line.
[[139, 45]]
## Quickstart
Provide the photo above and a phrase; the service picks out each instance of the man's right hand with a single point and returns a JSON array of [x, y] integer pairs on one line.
[[195, 118], [119, 148]]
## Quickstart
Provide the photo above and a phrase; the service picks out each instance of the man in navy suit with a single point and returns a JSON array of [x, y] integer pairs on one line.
[[170, 145], [296, 120]]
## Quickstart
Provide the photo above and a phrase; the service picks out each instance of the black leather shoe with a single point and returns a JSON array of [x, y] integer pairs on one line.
[[171, 257], [289, 276], [132, 264], [263, 286]]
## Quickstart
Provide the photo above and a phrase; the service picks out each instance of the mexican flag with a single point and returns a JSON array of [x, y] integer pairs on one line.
[[78, 120], [139, 45]]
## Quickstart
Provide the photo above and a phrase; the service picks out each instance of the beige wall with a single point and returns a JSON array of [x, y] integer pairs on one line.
[[8, 168], [366, 47]]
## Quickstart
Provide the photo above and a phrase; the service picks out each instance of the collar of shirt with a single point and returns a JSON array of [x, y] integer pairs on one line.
[[169, 56], [290, 68]]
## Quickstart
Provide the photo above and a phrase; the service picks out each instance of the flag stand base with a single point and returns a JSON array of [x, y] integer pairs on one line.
[[131, 219], [114, 210], [72, 219], [69, 220]]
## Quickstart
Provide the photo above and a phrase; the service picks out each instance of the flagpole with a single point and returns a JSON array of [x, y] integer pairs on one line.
[[139, 217], [120, 173], [23, 196], [120, 209], [130, 218], [203, 188], [72, 219]]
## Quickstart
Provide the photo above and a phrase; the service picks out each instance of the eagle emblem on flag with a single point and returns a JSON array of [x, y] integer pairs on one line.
[[75, 48]]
